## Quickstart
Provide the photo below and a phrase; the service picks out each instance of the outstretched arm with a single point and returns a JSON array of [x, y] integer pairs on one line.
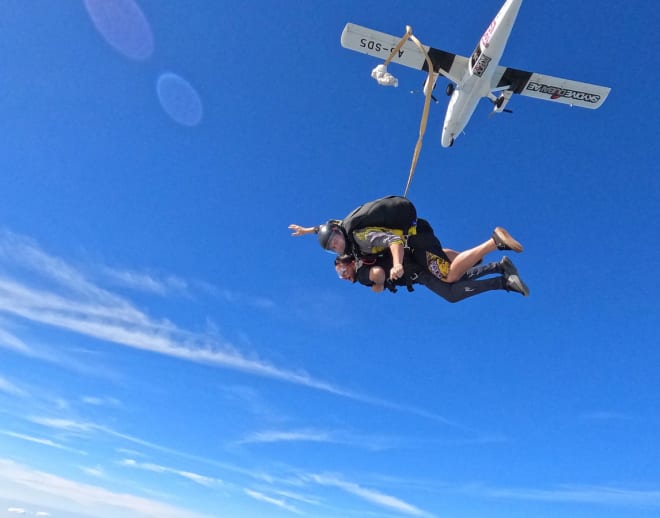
[[301, 231]]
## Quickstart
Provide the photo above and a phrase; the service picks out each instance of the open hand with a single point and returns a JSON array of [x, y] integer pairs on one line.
[[300, 231]]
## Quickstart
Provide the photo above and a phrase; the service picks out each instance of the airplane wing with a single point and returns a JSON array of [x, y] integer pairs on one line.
[[378, 44], [549, 88]]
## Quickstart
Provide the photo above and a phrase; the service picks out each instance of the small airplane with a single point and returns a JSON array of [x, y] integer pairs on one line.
[[477, 76]]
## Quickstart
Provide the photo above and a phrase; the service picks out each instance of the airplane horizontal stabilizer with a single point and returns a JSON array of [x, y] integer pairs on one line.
[[380, 45]]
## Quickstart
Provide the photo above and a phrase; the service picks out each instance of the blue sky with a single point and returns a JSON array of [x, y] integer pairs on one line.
[[168, 350]]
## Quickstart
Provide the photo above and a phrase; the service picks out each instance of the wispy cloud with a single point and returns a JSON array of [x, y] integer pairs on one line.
[[144, 282], [59, 295], [88, 429], [10, 388], [94, 312], [272, 436], [35, 486], [94, 471], [296, 496], [131, 453], [84, 308], [202, 480], [101, 401], [68, 425], [167, 284], [604, 495], [21, 511], [370, 495], [277, 502], [40, 440], [369, 442], [10, 341]]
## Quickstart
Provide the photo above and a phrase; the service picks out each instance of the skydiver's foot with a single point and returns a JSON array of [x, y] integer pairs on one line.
[[515, 283], [507, 267], [504, 241]]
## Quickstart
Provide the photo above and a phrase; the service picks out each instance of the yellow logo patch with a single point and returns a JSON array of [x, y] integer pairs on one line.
[[437, 265]]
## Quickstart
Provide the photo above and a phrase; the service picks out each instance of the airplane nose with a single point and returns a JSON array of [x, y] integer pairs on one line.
[[447, 139]]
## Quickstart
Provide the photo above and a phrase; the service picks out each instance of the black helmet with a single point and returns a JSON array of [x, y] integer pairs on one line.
[[327, 230]]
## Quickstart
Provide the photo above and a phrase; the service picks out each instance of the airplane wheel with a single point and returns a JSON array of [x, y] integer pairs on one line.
[[450, 89], [451, 143], [499, 102]]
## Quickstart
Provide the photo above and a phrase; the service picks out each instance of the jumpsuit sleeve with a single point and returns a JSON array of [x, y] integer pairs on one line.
[[376, 239]]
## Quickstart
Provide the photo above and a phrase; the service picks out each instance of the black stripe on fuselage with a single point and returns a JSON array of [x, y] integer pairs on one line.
[[514, 79], [440, 59]]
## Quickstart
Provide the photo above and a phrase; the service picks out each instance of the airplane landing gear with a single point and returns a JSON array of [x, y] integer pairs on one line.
[[450, 89]]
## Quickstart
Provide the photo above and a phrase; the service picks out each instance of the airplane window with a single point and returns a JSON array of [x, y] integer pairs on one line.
[[475, 55]]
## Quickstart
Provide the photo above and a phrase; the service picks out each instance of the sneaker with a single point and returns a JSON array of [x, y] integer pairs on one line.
[[504, 241], [515, 283], [507, 267]]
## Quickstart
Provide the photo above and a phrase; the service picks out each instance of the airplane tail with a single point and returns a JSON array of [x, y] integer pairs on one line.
[[380, 45]]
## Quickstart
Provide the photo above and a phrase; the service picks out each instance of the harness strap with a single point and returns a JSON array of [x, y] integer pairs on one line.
[[412, 231]]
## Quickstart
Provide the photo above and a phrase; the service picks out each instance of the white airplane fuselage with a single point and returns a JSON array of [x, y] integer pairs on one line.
[[476, 81]]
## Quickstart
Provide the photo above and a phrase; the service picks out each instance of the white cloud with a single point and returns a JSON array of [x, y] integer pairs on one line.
[[92, 311], [282, 504], [87, 428], [16, 510], [68, 425], [95, 471], [61, 296], [296, 496], [288, 436], [604, 495], [156, 468], [9, 341], [100, 401], [369, 495], [39, 440], [30, 485], [146, 282], [369, 442], [11, 389], [132, 453]]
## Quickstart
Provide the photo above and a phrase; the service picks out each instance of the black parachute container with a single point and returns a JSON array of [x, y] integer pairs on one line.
[[394, 212]]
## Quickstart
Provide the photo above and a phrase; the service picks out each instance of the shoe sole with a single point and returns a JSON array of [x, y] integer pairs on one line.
[[520, 286], [508, 240]]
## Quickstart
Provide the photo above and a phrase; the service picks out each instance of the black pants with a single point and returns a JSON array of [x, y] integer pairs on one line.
[[466, 286]]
